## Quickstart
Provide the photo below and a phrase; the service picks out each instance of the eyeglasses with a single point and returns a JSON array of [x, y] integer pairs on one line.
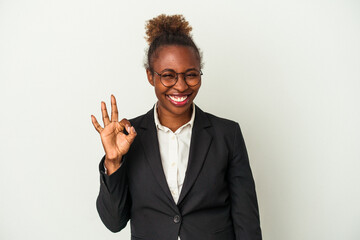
[[169, 78]]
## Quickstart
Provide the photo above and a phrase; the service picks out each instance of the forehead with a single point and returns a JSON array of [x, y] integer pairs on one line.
[[178, 58]]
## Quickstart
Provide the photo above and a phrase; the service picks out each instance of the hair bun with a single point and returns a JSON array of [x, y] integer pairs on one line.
[[164, 24]]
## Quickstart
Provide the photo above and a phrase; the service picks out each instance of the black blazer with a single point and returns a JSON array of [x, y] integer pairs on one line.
[[217, 201]]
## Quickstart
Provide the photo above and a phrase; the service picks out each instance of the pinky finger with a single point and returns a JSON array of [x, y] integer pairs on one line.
[[97, 126]]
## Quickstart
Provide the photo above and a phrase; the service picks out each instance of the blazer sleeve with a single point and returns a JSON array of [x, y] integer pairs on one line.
[[113, 202], [244, 206]]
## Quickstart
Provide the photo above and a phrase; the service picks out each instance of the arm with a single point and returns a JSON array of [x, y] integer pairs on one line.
[[113, 202], [244, 206]]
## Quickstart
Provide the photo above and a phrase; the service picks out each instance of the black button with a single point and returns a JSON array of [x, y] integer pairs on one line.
[[176, 219]]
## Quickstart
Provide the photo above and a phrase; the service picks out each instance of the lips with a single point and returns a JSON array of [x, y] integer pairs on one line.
[[178, 100]]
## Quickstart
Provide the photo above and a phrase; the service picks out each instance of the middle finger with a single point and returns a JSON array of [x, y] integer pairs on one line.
[[114, 110]]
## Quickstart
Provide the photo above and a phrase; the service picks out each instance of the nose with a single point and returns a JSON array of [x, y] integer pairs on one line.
[[181, 84]]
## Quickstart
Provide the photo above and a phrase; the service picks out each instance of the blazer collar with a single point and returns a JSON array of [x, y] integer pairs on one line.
[[201, 138], [160, 126]]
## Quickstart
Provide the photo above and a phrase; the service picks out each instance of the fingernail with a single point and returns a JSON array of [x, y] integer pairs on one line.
[[133, 129], [128, 129]]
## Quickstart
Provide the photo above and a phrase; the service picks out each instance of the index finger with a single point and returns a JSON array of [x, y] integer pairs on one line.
[[96, 124], [114, 110]]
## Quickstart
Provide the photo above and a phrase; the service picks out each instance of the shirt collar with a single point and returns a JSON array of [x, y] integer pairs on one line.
[[161, 127]]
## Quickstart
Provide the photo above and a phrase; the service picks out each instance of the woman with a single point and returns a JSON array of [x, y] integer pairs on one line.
[[176, 172]]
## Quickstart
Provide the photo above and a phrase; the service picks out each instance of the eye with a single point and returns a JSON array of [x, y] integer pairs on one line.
[[168, 75], [192, 75]]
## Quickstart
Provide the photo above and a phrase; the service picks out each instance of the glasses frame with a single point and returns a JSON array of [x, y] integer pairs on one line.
[[177, 76]]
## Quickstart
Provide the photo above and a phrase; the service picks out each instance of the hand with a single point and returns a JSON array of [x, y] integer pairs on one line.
[[115, 142]]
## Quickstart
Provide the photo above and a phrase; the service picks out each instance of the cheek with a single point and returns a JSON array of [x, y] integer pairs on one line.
[[196, 89], [159, 89]]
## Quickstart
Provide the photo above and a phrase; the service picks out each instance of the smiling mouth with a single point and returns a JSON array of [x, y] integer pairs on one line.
[[178, 100]]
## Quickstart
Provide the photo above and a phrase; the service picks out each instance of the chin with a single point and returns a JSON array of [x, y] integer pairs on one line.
[[177, 109]]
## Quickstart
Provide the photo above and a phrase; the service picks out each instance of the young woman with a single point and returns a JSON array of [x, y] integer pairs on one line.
[[176, 172]]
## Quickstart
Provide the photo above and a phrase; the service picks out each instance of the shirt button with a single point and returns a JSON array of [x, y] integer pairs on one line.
[[173, 137], [176, 219], [173, 164]]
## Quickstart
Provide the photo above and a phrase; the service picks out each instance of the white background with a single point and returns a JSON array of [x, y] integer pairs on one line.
[[287, 71]]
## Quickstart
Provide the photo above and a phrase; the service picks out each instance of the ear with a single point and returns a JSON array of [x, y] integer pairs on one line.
[[150, 76]]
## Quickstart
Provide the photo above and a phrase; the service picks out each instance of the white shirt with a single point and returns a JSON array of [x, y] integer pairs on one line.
[[174, 152]]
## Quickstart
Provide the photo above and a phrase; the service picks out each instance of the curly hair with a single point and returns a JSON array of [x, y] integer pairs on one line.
[[166, 30]]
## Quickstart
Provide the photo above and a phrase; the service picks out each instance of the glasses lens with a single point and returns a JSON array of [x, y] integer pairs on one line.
[[168, 78], [192, 77]]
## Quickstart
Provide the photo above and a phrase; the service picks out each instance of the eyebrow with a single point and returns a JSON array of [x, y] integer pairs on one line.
[[169, 69]]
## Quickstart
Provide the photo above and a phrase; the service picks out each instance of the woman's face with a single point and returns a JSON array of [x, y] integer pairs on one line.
[[175, 100]]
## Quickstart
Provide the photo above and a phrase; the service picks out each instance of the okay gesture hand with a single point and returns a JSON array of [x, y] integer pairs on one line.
[[115, 141]]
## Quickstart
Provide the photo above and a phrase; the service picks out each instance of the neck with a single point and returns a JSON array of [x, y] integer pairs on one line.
[[173, 122]]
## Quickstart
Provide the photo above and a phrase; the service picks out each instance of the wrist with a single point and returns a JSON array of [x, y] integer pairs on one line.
[[112, 165]]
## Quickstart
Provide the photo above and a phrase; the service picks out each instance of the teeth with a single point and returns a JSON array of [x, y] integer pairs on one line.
[[177, 98]]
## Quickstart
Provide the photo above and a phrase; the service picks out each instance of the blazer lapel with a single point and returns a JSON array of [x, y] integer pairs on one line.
[[150, 144], [201, 138]]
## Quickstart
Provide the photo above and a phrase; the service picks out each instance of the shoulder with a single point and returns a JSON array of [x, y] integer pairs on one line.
[[220, 122], [137, 120], [225, 130], [143, 120], [216, 121]]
